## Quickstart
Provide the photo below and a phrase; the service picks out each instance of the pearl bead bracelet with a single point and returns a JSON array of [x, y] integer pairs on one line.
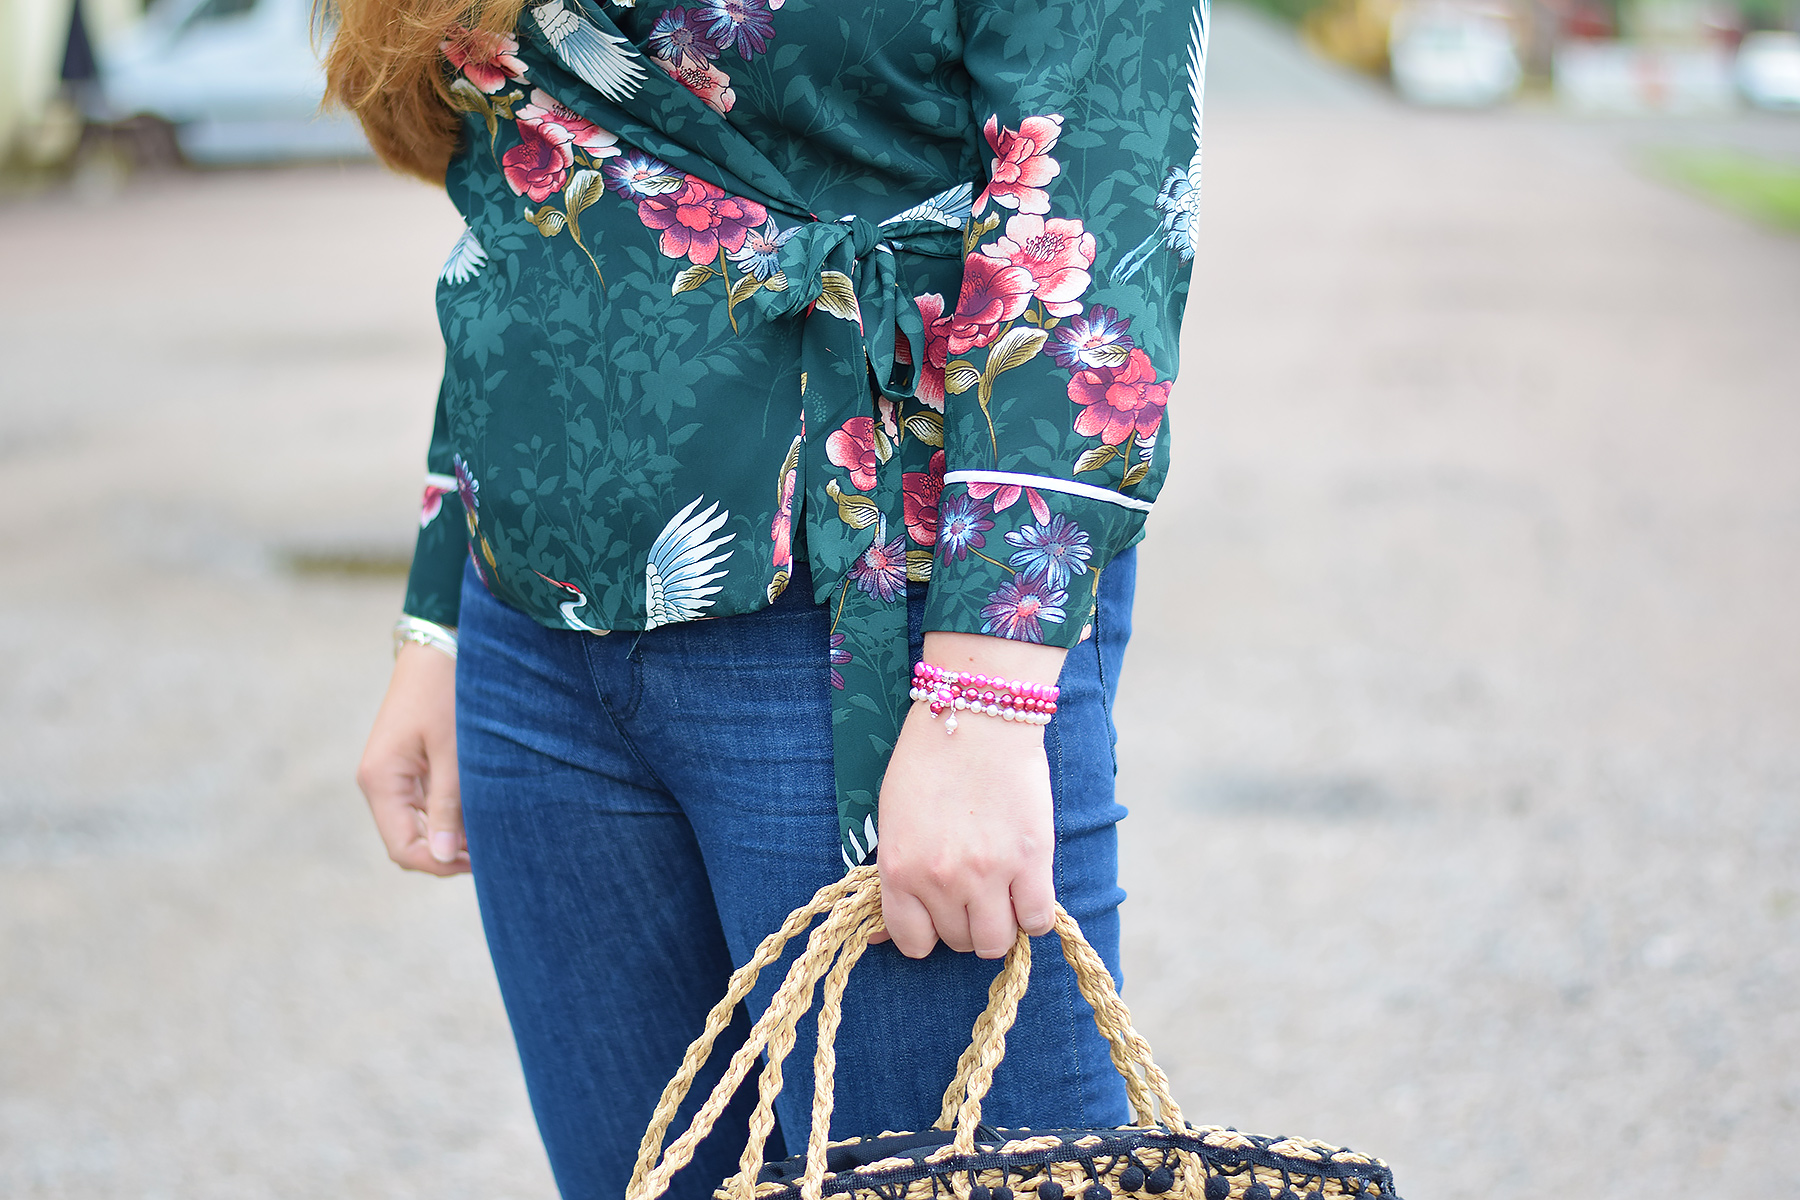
[[988, 695]]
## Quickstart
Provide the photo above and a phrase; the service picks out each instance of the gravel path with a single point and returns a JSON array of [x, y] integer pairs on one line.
[[1460, 730]]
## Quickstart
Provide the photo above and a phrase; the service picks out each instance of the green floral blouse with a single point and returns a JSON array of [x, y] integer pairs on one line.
[[895, 285]]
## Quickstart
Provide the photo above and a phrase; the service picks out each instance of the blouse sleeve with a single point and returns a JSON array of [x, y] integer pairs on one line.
[[434, 585], [1061, 349]]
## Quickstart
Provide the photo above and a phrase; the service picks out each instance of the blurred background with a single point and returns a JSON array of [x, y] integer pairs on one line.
[[1461, 729]]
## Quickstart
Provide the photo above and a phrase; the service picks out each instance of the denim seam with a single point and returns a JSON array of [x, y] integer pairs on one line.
[[635, 697], [1068, 974], [1112, 730]]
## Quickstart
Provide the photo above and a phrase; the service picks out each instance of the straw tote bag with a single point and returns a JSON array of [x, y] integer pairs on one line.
[[1161, 1157]]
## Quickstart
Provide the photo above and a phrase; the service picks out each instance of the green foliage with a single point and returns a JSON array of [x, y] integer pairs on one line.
[[1287, 10], [1766, 191]]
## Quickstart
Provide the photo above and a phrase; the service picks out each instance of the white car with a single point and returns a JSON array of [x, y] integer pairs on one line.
[[1768, 70], [238, 80], [1452, 55]]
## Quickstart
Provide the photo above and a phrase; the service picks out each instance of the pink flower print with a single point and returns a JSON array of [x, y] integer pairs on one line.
[[781, 529], [1119, 400], [540, 163], [853, 447], [546, 111], [928, 383], [702, 78], [436, 488], [699, 218], [487, 60], [890, 418], [1056, 252], [1022, 164], [920, 493], [1004, 494], [993, 292]]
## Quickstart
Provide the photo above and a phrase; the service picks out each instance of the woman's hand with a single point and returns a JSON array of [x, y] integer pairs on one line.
[[968, 832], [408, 769]]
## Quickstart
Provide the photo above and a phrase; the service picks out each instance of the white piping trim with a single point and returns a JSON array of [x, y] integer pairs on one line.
[[1050, 483]]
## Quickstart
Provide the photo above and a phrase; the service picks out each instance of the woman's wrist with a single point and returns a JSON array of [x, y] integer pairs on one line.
[[980, 675], [965, 652], [409, 630]]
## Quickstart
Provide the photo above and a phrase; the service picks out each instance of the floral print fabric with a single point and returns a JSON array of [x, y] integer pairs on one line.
[[894, 286]]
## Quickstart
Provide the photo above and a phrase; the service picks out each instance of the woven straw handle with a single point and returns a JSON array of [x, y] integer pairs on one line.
[[852, 911], [1145, 1084]]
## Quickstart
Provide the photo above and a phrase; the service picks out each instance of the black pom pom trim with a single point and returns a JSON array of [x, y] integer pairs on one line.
[[1131, 1179], [1160, 1181], [1218, 1188], [1050, 1190]]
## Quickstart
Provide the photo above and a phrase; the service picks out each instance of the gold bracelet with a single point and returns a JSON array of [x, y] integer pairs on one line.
[[426, 633]]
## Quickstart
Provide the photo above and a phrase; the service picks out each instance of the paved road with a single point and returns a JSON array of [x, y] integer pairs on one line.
[[1460, 728]]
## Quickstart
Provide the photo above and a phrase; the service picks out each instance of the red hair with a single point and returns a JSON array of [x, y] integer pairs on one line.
[[386, 64]]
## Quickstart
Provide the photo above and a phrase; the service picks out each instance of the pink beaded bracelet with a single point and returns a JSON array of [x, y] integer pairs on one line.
[[989, 695]]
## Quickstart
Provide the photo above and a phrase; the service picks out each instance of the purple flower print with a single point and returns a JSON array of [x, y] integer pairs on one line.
[[678, 35], [880, 570], [743, 23], [839, 657], [760, 255], [1054, 551], [466, 484], [638, 176], [1019, 604], [960, 526], [1098, 339]]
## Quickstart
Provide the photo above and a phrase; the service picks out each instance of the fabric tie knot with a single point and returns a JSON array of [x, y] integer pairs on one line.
[[865, 235], [847, 267], [842, 281]]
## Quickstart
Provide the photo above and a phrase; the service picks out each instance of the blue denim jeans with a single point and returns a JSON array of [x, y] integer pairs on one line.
[[642, 809]]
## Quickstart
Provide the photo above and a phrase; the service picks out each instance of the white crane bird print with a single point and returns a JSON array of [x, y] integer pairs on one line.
[[568, 607], [608, 63], [465, 260], [678, 579], [950, 208], [1178, 199]]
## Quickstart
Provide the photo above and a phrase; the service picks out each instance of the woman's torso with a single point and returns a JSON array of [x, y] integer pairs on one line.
[[608, 394]]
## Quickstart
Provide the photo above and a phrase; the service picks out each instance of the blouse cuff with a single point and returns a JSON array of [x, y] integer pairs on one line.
[[1019, 557]]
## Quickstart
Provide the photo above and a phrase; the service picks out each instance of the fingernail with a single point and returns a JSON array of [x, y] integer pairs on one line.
[[443, 846]]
